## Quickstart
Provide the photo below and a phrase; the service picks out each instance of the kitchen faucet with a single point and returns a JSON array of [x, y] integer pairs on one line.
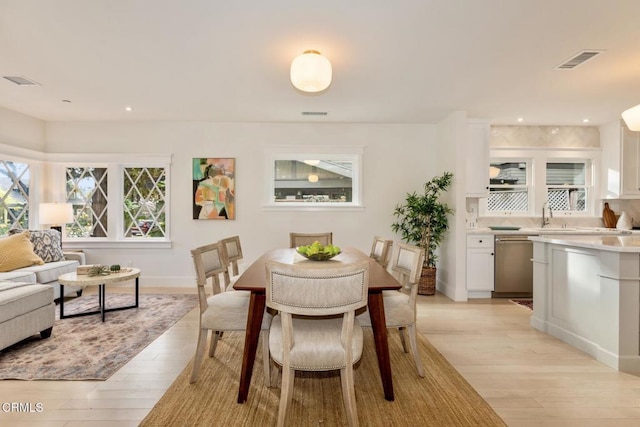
[[546, 219]]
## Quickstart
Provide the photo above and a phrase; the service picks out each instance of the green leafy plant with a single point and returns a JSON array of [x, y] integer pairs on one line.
[[98, 270], [422, 219]]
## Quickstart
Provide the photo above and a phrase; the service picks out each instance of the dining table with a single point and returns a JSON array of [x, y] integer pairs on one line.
[[254, 280]]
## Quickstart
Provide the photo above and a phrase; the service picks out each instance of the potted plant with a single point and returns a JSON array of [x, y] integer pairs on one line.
[[422, 221]]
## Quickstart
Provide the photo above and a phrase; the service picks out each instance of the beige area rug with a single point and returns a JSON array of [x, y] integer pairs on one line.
[[442, 398], [85, 348]]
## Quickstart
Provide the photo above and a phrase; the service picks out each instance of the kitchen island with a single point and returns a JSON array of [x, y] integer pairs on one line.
[[586, 292]]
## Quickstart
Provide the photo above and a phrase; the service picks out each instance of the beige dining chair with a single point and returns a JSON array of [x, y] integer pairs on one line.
[[233, 254], [400, 306], [381, 250], [222, 311], [303, 239], [316, 329]]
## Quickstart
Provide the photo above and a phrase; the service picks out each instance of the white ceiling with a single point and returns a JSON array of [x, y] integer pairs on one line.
[[400, 61]]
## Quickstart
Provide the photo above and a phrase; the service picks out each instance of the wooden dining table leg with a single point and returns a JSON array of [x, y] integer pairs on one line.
[[378, 322], [254, 322]]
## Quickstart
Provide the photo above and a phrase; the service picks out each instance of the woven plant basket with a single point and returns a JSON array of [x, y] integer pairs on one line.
[[427, 283]]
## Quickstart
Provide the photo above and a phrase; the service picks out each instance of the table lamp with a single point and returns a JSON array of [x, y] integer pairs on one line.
[[56, 214]]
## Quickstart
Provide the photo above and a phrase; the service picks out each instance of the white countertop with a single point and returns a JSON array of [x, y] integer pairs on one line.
[[622, 243], [557, 230]]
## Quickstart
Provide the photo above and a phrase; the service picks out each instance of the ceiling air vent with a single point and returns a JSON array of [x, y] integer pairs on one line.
[[22, 81], [314, 113], [578, 59]]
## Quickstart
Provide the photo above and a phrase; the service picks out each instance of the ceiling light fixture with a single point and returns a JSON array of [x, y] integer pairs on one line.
[[632, 118], [520, 119], [311, 72], [128, 108], [313, 177]]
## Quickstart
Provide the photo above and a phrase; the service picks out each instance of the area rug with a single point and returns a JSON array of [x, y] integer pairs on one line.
[[442, 398], [524, 302], [85, 348]]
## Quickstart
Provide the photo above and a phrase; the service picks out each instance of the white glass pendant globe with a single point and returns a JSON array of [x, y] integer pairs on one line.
[[311, 72], [632, 118]]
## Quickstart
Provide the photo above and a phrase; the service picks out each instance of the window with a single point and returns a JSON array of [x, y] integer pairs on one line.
[[508, 186], [314, 177], [566, 186], [87, 191], [114, 202], [144, 202], [14, 195]]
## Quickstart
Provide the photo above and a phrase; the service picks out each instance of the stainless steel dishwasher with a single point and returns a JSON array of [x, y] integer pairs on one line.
[[513, 266]]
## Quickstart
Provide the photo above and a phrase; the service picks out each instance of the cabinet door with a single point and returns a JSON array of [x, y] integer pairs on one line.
[[480, 268], [477, 182], [630, 162]]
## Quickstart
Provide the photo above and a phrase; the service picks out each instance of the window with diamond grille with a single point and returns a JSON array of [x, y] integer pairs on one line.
[[87, 191], [14, 195], [508, 189], [144, 202], [566, 186]]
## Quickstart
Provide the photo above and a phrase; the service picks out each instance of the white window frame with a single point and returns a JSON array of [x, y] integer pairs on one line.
[[115, 181], [528, 186], [301, 153], [539, 158], [588, 185]]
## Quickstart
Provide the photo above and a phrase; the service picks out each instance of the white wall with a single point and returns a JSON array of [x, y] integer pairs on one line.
[[453, 134], [397, 159], [21, 131]]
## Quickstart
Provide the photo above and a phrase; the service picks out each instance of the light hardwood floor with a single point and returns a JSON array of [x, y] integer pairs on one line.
[[529, 378]]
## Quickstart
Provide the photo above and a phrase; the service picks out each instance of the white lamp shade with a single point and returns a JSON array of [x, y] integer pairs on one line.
[[55, 213], [632, 118], [311, 72]]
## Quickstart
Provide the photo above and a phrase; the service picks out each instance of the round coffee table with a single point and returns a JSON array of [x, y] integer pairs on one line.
[[83, 281]]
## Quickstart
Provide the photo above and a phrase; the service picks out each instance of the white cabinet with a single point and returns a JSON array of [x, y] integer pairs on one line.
[[630, 162], [480, 267], [620, 161], [477, 153]]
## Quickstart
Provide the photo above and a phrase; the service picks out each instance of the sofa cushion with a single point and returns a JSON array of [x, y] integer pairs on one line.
[[17, 251], [19, 298], [50, 271], [47, 244], [18, 276]]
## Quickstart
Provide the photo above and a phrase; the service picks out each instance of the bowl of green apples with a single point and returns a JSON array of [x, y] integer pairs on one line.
[[318, 252]]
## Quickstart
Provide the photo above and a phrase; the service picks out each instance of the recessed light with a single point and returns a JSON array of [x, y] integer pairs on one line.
[[128, 108], [585, 120], [520, 119]]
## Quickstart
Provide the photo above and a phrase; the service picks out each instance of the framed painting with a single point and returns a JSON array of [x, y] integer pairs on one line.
[[214, 191]]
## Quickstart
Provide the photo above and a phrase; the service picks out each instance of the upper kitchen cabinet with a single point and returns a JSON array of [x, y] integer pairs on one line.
[[477, 151], [620, 177]]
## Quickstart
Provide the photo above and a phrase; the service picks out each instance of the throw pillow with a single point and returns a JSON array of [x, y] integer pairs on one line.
[[47, 244], [16, 252]]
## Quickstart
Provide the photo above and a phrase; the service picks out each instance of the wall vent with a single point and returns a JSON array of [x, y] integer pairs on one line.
[[578, 59], [314, 113], [22, 81]]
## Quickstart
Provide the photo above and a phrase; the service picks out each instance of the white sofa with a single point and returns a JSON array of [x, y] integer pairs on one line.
[[47, 274], [26, 309]]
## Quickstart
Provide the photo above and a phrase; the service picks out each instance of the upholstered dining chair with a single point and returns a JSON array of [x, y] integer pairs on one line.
[[222, 311], [233, 254], [400, 306], [381, 250], [316, 329], [303, 239]]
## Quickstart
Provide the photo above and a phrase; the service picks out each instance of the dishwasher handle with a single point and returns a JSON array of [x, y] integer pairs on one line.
[[512, 238]]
